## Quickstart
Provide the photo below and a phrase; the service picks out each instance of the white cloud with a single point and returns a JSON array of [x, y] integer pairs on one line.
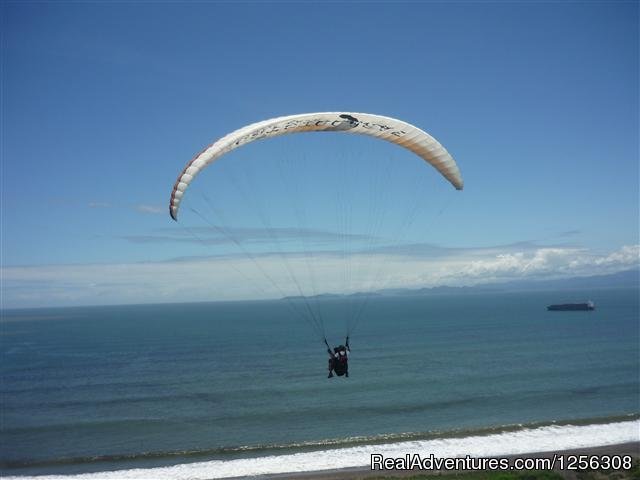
[[99, 205], [225, 278], [551, 263], [153, 209]]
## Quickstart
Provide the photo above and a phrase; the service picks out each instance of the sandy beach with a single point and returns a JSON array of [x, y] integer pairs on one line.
[[357, 473]]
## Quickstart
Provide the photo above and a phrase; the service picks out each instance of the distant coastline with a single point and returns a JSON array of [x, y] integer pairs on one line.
[[624, 279]]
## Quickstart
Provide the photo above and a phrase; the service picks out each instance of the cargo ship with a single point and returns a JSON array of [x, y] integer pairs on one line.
[[573, 306]]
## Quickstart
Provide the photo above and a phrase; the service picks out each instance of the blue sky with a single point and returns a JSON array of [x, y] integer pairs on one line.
[[104, 103]]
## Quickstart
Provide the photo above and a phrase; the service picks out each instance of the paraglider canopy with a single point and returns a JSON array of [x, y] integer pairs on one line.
[[384, 128]]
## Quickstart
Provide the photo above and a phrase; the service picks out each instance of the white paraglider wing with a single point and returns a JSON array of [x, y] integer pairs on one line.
[[385, 128]]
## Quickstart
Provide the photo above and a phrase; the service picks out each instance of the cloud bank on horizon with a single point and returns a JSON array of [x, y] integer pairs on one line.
[[235, 277]]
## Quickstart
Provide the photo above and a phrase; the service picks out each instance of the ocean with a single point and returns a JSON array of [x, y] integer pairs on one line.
[[215, 390]]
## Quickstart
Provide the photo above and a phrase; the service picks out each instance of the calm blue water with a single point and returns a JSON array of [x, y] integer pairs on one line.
[[87, 389]]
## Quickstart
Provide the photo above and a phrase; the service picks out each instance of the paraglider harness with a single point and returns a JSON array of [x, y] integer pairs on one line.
[[339, 359]]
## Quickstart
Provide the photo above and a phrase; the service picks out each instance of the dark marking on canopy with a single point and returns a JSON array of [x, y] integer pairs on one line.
[[350, 118]]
